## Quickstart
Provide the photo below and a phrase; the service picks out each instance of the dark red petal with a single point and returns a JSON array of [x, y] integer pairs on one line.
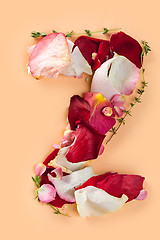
[[86, 145], [59, 202], [88, 45], [104, 51], [117, 184], [126, 46], [50, 157], [79, 110]]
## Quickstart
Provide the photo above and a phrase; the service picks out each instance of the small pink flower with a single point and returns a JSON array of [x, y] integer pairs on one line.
[[40, 169], [46, 193]]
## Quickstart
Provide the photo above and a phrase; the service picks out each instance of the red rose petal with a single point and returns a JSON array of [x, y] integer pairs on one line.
[[88, 46], [126, 46], [117, 184], [50, 157], [86, 145]]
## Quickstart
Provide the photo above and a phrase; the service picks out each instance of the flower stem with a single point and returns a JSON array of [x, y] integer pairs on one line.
[[57, 211]]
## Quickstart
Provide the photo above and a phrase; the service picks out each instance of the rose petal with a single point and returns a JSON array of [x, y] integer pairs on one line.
[[142, 195], [66, 187], [50, 157], [98, 120], [61, 161], [40, 169], [89, 111], [46, 193], [88, 46], [116, 76], [117, 184], [49, 56], [59, 173], [126, 46], [78, 62], [92, 201], [86, 145]]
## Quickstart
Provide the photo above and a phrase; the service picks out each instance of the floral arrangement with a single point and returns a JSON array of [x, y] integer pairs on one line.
[[114, 67]]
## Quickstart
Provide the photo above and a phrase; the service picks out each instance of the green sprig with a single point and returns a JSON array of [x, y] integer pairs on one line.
[[69, 34], [35, 34], [88, 33], [140, 91], [37, 181]]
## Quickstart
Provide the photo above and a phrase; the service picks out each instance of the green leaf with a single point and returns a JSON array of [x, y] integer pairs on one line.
[[35, 34], [146, 47], [54, 31], [33, 179], [69, 34], [105, 30], [88, 33]]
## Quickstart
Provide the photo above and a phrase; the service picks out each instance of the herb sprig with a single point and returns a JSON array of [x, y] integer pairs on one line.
[[87, 32], [145, 49], [37, 181]]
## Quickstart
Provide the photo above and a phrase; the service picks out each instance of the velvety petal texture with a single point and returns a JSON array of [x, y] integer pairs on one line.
[[49, 56], [126, 46], [97, 51], [86, 145]]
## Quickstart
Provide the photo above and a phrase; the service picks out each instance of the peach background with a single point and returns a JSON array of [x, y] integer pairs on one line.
[[33, 115]]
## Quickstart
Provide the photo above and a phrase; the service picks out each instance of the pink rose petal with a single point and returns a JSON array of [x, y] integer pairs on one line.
[[40, 168], [49, 56], [46, 193], [142, 195]]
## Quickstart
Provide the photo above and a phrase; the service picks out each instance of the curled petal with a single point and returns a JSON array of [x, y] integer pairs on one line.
[[66, 187], [40, 168], [59, 173], [126, 46], [46, 193], [101, 150], [86, 145], [61, 161], [142, 195], [49, 56], [92, 201]]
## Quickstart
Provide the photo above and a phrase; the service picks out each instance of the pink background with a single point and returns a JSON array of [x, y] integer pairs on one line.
[[33, 117]]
